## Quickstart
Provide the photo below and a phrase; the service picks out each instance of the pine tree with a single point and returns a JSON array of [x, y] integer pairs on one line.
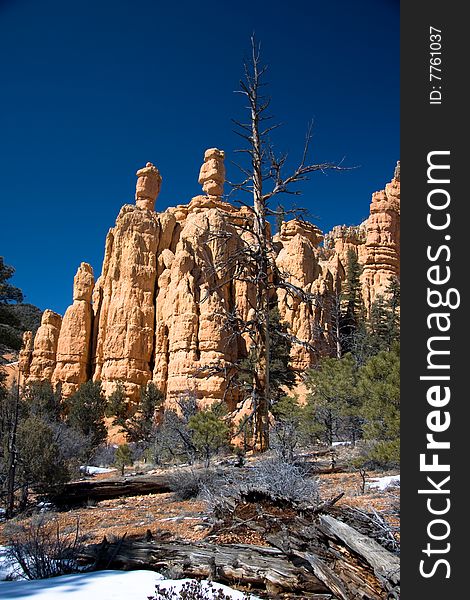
[[86, 412], [123, 457], [290, 426], [210, 431], [10, 325], [137, 422], [352, 318], [332, 400], [282, 376], [382, 329], [392, 303], [43, 401], [264, 177], [379, 391], [8, 292], [41, 461], [117, 406], [140, 428]]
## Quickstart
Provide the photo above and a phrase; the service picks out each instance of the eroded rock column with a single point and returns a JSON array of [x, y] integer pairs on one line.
[[26, 354], [45, 347], [74, 344], [125, 293], [382, 244]]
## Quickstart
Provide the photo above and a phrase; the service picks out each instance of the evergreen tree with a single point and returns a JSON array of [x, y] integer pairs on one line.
[[41, 462], [123, 457], [86, 412], [137, 422], [282, 376], [352, 318], [382, 328], [10, 325], [43, 401], [290, 426], [332, 400], [210, 431], [140, 428], [15, 317], [379, 391], [264, 177], [8, 292], [36, 448], [117, 406], [392, 305]]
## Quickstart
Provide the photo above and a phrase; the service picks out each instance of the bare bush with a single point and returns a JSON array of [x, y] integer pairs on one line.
[[372, 523], [280, 479], [189, 483], [104, 455], [192, 590], [43, 550]]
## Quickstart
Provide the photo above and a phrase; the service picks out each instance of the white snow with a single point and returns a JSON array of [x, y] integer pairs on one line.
[[341, 444], [8, 566], [99, 585], [384, 482], [90, 470]]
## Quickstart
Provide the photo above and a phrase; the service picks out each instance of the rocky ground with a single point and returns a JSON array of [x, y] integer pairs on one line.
[[165, 517]]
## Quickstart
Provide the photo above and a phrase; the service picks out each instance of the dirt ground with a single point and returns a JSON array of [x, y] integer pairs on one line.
[[163, 516]]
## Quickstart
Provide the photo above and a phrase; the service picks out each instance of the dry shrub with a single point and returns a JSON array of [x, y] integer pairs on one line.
[[43, 550], [192, 590], [189, 483], [280, 479]]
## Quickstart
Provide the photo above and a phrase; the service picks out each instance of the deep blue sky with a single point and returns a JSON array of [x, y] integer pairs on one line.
[[92, 90]]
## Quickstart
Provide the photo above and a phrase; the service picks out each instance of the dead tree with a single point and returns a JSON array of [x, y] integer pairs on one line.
[[264, 178]]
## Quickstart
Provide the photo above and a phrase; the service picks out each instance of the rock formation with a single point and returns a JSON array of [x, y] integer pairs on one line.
[[212, 173], [148, 187], [26, 354], [74, 343], [158, 310], [43, 360], [124, 297], [382, 244], [299, 260]]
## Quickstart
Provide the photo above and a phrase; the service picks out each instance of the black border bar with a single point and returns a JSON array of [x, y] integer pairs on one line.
[[434, 128]]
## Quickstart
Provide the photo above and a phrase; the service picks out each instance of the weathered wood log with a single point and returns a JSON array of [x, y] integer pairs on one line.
[[78, 492], [386, 565], [325, 574], [340, 570], [257, 567]]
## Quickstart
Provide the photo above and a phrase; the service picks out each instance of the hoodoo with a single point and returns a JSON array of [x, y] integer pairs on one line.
[[157, 311]]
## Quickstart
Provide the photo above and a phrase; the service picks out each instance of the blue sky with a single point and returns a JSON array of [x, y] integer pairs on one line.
[[92, 90]]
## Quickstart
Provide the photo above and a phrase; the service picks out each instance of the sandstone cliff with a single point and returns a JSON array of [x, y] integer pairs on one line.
[[158, 310]]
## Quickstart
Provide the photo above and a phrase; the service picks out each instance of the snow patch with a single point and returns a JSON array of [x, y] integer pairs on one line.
[[99, 585], [382, 483], [90, 470], [9, 568]]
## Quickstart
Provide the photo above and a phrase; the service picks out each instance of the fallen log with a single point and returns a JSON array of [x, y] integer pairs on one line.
[[325, 574], [255, 567], [345, 574], [386, 566], [79, 492]]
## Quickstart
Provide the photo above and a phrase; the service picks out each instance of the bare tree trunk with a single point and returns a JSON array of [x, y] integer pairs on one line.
[[265, 168], [261, 379], [12, 456]]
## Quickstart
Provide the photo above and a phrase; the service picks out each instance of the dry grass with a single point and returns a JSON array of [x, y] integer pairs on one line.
[[168, 518], [134, 515]]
